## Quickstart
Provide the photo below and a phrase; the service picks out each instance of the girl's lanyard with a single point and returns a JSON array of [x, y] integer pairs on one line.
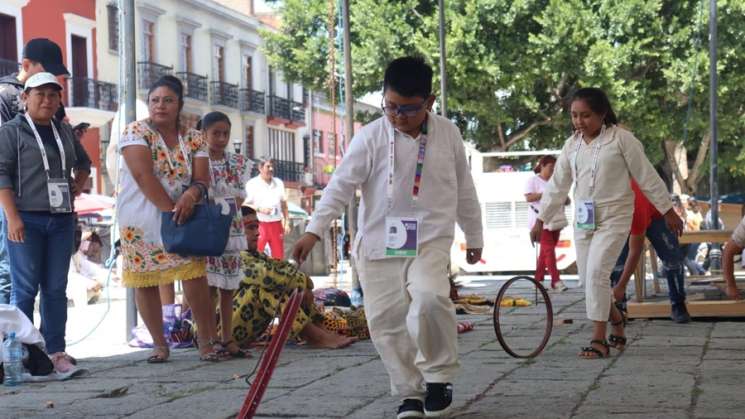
[[419, 165], [43, 151], [222, 197], [58, 189], [595, 157]]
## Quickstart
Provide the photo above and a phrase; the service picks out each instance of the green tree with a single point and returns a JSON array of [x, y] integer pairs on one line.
[[513, 63]]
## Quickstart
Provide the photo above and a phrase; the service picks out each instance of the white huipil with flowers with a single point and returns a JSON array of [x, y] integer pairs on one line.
[[228, 175]]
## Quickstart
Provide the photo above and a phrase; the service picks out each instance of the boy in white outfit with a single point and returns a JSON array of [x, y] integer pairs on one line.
[[415, 181]]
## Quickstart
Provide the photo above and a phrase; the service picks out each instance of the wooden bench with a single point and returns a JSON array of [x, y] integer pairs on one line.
[[697, 306]]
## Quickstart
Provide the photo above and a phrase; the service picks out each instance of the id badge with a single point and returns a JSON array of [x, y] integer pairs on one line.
[[585, 214], [401, 237], [227, 205], [59, 196]]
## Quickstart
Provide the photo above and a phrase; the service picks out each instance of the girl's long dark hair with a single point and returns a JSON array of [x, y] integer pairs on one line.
[[598, 102]]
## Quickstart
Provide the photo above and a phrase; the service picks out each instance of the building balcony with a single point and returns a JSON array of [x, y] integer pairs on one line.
[[148, 73], [298, 112], [195, 86], [8, 66], [252, 101], [224, 94], [90, 93], [279, 107], [289, 171]]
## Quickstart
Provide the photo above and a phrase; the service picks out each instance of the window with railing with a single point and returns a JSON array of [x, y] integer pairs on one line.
[[279, 107], [298, 112], [195, 86], [252, 101], [148, 72], [224, 94], [289, 171], [112, 14], [90, 93]]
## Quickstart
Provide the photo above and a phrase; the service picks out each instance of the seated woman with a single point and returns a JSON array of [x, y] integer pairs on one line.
[[264, 291]]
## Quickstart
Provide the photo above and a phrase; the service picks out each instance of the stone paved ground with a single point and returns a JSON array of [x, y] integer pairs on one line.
[[668, 371]]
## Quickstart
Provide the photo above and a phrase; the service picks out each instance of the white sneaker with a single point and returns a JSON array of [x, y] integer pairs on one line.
[[560, 286]]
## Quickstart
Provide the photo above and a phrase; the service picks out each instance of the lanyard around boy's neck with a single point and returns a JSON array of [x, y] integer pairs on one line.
[[419, 164], [43, 151]]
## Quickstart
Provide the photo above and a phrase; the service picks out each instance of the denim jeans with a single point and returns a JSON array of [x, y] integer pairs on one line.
[[4, 262], [665, 243], [41, 263]]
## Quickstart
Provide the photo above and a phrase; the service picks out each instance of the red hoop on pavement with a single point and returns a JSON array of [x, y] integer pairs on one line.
[[269, 359]]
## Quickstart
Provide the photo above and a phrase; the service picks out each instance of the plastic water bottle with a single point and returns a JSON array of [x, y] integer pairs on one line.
[[12, 360]]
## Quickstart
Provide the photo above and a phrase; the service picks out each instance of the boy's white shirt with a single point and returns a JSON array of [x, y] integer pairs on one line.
[[447, 194]]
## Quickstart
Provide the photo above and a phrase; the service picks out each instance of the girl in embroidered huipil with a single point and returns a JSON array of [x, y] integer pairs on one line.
[[228, 173], [163, 170]]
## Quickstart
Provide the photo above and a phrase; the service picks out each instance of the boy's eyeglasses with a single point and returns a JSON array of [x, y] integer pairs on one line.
[[405, 110]]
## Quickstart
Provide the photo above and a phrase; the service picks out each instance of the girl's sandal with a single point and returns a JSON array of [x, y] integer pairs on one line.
[[240, 353], [615, 341], [590, 352], [160, 355]]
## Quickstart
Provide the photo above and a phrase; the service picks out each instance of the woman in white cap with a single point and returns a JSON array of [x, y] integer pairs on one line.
[[37, 189], [600, 159]]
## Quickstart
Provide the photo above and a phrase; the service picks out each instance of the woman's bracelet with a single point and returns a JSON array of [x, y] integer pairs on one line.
[[202, 188]]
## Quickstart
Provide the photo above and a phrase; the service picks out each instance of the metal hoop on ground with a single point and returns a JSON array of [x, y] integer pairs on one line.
[[539, 289]]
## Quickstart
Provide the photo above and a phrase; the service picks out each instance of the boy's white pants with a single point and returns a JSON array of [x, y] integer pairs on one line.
[[597, 252], [411, 318]]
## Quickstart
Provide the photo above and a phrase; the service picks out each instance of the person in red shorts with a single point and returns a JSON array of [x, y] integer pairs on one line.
[[648, 222]]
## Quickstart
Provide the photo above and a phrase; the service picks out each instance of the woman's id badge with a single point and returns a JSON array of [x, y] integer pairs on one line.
[[401, 237], [585, 215], [59, 196]]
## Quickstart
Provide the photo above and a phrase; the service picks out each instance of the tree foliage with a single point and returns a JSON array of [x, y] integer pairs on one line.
[[512, 65]]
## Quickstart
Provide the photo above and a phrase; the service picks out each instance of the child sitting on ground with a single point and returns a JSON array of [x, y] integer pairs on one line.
[[264, 291]]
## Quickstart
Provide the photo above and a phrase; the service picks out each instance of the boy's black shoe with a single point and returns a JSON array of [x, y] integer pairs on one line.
[[679, 313], [439, 400], [411, 408]]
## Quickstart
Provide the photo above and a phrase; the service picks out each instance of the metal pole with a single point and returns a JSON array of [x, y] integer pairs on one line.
[[713, 87], [128, 68], [443, 72], [349, 128]]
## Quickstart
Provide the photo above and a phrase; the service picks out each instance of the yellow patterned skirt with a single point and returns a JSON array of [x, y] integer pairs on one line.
[[149, 265]]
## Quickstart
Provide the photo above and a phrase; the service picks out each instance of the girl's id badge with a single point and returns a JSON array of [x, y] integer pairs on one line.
[[401, 237], [59, 196], [585, 215]]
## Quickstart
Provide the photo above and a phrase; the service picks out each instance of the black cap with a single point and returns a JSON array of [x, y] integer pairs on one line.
[[47, 53]]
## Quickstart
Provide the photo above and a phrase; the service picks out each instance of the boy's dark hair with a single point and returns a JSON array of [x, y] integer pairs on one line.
[[246, 211], [409, 76], [598, 101], [216, 116]]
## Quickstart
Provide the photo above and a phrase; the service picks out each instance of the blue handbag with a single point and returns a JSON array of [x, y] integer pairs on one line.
[[205, 233]]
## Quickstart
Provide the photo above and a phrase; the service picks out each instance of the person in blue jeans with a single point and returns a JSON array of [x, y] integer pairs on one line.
[[648, 222], [37, 158]]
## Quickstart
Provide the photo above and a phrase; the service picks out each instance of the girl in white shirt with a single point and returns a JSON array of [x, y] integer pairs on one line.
[[551, 231], [600, 159]]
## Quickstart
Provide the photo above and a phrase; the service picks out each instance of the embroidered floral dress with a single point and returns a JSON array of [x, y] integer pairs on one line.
[[146, 263], [228, 176]]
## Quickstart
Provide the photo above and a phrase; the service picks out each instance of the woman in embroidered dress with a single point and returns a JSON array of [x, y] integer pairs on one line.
[[163, 171], [228, 173], [600, 159]]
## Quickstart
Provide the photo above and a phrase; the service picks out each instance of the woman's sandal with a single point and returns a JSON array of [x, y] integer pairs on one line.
[[160, 355], [240, 353], [213, 355], [590, 352]]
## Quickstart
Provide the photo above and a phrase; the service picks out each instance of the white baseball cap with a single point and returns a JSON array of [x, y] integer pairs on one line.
[[40, 79]]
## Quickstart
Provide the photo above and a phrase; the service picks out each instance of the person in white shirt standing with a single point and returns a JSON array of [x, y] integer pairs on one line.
[[266, 194], [551, 230], [415, 185]]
